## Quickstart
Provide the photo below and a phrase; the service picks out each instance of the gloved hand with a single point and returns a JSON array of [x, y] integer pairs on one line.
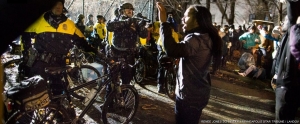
[[142, 23], [105, 59], [103, 42], [129, 21]]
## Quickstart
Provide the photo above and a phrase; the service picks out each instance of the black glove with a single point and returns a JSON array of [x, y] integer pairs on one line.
[[142, 23], [129, 21], [105, 59]]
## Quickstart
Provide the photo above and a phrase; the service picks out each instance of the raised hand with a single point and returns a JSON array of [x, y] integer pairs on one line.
[[162, 14]]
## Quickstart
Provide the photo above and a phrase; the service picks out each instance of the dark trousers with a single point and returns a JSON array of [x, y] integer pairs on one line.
[[127, 72], [161, 70], [187, 113], [223, 61], [287, 103], [56, 84]]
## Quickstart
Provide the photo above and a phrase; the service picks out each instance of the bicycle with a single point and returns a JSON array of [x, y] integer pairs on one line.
[[140, 71], [148, 65], [61, 108], [81, 72], [170, 66]]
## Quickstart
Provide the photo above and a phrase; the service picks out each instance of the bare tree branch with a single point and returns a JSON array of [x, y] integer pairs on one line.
[[70, 4], [208, 4], [248, 1], [232, 11], [144, 6], [220, 6], [197, 1]]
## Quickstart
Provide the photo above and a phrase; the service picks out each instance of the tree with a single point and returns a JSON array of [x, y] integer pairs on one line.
[[263, 9], [278, 6], [197, 1], [208, 4], [222, 10], [232, 12]]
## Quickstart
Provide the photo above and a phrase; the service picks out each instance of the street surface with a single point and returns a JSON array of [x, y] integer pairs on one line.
[[233, 99]]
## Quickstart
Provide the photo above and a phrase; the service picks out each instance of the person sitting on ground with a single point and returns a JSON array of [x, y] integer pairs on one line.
[[247, 65], [247, 59]]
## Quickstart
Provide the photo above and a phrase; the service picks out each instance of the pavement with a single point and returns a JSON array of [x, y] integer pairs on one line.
[[233, 99]]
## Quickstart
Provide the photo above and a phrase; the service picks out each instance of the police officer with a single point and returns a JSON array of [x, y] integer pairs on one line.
[[80, 23], [54, 35], [89, 29], [90, 21], [99, 32], [126, 31]]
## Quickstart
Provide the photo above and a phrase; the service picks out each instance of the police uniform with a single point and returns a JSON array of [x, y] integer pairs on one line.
[[53, 37], [99, 34], [126, 32]]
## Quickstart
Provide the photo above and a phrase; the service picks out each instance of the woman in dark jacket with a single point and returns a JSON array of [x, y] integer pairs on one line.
[[200, 45]]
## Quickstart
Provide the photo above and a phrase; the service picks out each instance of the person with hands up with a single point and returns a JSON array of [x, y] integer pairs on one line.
[[201, 45]]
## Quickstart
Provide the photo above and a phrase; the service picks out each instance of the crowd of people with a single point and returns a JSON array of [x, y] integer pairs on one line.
[[203, 44], [252, 49]]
